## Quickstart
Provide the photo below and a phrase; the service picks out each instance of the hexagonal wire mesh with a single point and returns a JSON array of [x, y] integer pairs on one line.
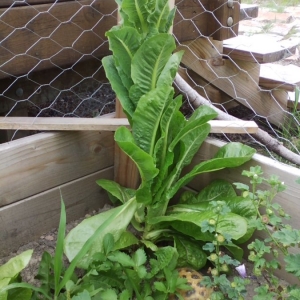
[[51, 54]]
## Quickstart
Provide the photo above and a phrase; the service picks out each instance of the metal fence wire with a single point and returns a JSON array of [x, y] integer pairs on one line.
[[51, 51]]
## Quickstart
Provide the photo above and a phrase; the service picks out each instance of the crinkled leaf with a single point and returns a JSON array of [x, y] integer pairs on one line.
[[126, 240], [45, 275], [293, 264], [122, 258], [15, 265], [117, 85], [189, 253], [288, 237], [117, 191], [216, 190], [136, 14], [124, 42], [148, 63], [190, 224], [146, 119], [229, 156], [143, 160], [168, 73], [82, 296], [139, 257], [158, 19]]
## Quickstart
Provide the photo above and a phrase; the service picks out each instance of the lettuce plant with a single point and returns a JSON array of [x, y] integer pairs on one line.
[[161, 142]]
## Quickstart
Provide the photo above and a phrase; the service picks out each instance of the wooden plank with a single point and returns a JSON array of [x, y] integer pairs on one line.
[[248, 11], [260, 48], [107, 124], [27, 220], [279, 76], [43, 36], [226, 17], [288, 199], [10, 3], [40, 162], [239, 79], [194, 19]]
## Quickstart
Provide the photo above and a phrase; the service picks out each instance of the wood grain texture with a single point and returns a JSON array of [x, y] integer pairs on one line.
[[288, 199], [208, 18], [10, 3], [239, 79], [279, 76], [260, 48], [26, 220], [40, 162], [43, 36], [106, 124]]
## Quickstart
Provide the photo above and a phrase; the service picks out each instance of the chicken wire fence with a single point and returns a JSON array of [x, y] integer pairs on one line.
[[51, 51]]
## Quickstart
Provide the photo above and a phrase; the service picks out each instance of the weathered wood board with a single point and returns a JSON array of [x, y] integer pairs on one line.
[[205, 18], [248, 11], [9, 3], [107, 124], [43, 36], [260, 48], [285, 77], [238, 78], [40, 162], [26, 220]]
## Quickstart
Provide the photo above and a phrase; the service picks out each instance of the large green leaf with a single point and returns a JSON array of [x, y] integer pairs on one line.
[[169, 71], [146, 118], [190, 253], [163, 158], [148, 63], [158, 19], [136, 14], [124, 42], [119, 192], [190, 224], [114, 221], [229, 156], [216, 190], [15, 265], [200, 116], [143, 160], [190, 144], [117, 85], [11, 270]]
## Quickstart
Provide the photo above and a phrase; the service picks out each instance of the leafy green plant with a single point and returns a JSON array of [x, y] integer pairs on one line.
[[280, 237], [161, 143]]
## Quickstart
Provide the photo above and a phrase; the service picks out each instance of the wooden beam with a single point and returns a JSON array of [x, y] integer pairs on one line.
[[107, 124], [208, 18], [279, 76], [10, 3], [27, 220], [42, 36], [260, 48], [239, 79], [31, 165]]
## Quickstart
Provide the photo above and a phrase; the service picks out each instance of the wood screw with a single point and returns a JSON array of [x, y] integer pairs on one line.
[[230, 3], [19, 92], [230, 21]]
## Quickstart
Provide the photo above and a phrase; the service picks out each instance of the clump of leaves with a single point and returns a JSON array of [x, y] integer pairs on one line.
[[161, 143], [280, 236]]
